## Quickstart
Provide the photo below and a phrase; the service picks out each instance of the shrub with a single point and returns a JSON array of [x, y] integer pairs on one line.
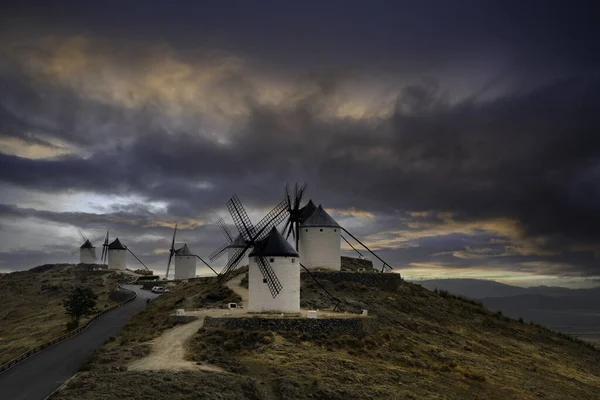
[[475, 376], [72, 324]]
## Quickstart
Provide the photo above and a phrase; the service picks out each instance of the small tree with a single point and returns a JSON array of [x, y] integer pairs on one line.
[[81, 303]]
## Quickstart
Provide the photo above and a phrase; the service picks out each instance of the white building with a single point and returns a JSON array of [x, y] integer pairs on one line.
[[237, 244], [285, 262], [87, 253], [116, 255], [320, 241], [185, 263]]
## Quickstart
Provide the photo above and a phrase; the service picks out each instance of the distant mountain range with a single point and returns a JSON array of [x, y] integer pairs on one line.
[[561, 309]]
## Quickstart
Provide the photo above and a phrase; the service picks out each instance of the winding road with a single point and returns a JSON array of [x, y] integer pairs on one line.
[[38, 376]]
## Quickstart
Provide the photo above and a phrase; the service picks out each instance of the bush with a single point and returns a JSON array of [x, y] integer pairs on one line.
[[72, 324], [475, 376]]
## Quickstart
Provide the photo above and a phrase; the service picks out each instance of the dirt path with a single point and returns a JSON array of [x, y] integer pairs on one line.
[[235, 285], [168, 351]]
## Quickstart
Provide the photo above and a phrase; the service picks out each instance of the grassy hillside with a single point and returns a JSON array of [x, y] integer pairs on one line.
[[424, 345], [30, 310]]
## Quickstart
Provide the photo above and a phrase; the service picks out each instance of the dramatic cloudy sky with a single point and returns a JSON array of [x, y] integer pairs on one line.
[[458, 139]]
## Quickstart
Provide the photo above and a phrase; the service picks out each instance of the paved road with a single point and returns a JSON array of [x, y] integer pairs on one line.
[[36, 377]]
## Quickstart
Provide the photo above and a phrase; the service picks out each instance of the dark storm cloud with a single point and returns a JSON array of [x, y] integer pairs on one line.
[[380, 34], [519, 143], [526, 156]]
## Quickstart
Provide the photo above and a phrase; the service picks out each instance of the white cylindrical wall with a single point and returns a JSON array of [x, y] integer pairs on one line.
[[116, 259], [185, 267], [231, 253], [87, 256], [260, 299], [320, 248]]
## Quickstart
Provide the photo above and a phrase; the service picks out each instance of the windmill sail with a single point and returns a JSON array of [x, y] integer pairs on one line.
[[171, 252], [251, 236]]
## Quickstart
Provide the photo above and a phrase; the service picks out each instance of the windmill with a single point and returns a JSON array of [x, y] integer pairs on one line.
[[231, 245], [251, 235], [116, 255], [87, 251], [171, 251], [104, 256], [297, 214], [185, 260], [316, 234], [276, 254]]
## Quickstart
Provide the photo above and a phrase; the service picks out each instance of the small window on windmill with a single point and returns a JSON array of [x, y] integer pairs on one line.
[[271, 260], [335, 230], [321, 229], [306, 230], [264, 280], [293, 260]]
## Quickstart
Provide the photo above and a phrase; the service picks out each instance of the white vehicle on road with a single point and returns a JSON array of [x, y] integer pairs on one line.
[[158, 289]]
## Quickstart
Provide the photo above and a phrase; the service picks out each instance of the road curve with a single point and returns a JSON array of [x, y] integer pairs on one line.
[[36, 377]]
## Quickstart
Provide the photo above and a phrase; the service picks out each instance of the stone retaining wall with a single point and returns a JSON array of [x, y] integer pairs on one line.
[[386, 281], [357, 327]]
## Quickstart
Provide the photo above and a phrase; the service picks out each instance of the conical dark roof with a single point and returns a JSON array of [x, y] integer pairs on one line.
[[274, 245], [238, 242], [321, 219], [116, 245], [87, 245], [307, 211], [183, 251]]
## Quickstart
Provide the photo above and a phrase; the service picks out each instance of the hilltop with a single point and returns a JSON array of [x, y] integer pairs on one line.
[[419, 345], [31, 311]]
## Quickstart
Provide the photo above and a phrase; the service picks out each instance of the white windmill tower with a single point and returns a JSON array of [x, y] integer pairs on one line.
[[116, 255], [320, 241], [276, 252], [87, 251], [274, 270], [185, 263], [185, 260], [317, 235], [116, 252]]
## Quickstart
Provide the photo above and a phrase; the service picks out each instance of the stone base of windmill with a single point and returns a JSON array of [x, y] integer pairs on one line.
[[239, 312]]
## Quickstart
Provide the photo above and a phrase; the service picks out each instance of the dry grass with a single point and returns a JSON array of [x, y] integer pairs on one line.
[[31, 311], [196, 293], [425, 345], [131, 343]]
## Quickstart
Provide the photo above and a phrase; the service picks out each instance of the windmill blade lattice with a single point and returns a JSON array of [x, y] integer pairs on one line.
[[273, 218], [273, 282], [232, 263], [251, 235], [219, 252], [105, 249], [225, 230], [81, 235], [171, 252], [240, 218], [292, 225]]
